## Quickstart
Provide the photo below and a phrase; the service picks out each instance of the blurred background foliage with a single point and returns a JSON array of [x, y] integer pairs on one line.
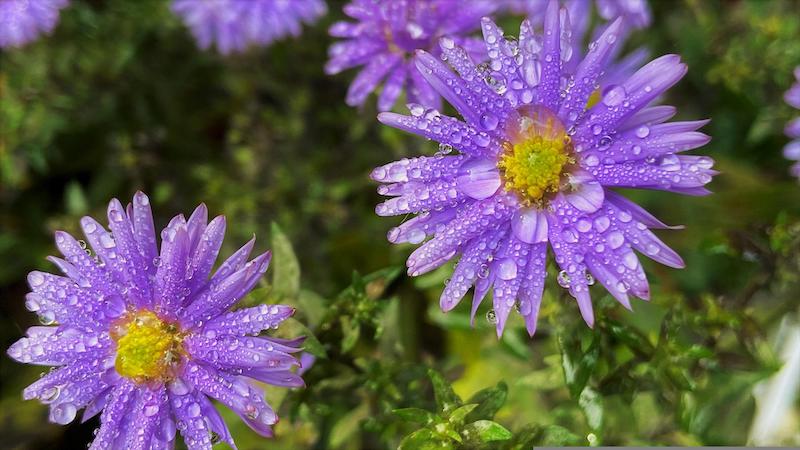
[[119, 99]]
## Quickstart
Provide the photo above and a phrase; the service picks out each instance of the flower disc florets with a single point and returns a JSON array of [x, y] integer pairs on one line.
[[148, 348], [534, 160]]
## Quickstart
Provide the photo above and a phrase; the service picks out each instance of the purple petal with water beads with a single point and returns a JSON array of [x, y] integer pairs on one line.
[[59, 300], [588, 74], [549, 91], [677, 173], [647, 142], [532, 286], [145, 414], [128, 250], [92, 275], [587, 194], [232, 352], [416, 230], [530, 225], [473, 221], [509, 267], [634, 94], [418, 197], [226, 292], [478, 179], [248, 321], [114, 416], [205, 254], [57, 346], [444, 129], [474, 264], [215, 421], [191, 423], [237, 395]]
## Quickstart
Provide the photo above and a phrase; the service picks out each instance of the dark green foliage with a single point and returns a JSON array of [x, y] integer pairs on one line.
[[119, 99]]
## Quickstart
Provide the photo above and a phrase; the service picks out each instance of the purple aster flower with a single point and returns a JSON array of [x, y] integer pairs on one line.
[[635, 12], [148, 338], [792, 149], [579, 14], [233, 25], [22, 21], [385, 37], [536, 168]]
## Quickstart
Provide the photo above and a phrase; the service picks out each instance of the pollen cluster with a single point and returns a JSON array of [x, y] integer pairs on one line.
[[535, 157], [147, 347]]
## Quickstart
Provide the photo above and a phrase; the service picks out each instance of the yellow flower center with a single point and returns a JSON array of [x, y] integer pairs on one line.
[[534, 159], [147, 347], [593, 99]]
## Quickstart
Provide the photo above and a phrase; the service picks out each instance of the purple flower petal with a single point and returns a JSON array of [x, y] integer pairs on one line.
[[234, 25]]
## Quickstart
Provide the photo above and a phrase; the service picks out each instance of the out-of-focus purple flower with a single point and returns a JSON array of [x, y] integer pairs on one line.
[[792, 149], [635, 12], [385, 36], [147, 337], [234, 25], [537, 162], [22, 21], [306, 361]]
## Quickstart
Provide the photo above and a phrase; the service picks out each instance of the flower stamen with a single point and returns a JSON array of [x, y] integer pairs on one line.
[[147, 347], [534, 159]]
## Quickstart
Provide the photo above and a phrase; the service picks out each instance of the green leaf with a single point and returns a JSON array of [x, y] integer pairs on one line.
[[578, 364], [591, 404], [486, 431], [377, 282], [351, 331], [629, 336], [285, 268], [424, 439], [348, 425], [458, 416], [554, 435], [75, 199], [312, 307], [446, 398], [489, 401], [415, 415]]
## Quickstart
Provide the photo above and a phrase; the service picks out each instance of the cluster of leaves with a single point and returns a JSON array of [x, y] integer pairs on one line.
[[455, 422]]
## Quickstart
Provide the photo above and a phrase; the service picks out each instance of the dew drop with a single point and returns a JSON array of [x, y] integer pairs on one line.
[[563, 279], [64, 413], [489, 122], [614, 95]]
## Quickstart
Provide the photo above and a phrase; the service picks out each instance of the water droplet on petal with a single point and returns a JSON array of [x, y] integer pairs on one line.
[[563, 279], [64, 413]]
